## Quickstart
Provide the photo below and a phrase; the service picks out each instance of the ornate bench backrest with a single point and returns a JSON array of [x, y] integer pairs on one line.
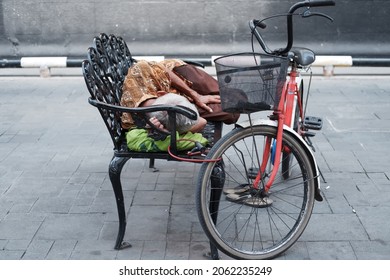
[[104, 72]]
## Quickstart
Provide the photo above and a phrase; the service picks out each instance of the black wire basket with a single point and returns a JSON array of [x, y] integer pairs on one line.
[[250, 82]]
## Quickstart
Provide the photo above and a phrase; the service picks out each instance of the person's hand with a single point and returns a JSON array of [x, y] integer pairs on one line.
[[203, 100]]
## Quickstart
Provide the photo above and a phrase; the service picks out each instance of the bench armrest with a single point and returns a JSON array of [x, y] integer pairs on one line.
[[189, 113], [141, 112]]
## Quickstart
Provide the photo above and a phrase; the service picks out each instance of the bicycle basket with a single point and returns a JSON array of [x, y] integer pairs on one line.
[[250, 82]]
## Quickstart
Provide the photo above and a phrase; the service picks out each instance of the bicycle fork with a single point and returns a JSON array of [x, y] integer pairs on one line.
[[286, 104], [266, 157]]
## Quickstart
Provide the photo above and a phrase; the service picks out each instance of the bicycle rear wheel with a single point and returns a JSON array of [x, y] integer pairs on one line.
[[240, 220]]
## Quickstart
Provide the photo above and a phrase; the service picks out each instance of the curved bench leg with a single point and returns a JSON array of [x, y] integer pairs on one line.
[[217, 183], [115, 169]]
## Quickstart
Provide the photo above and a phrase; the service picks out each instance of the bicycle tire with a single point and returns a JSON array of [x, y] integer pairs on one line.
[[247, 232], [286, 155]]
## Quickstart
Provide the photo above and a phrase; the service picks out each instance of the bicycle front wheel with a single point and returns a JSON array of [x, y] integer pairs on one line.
[[244, 222]]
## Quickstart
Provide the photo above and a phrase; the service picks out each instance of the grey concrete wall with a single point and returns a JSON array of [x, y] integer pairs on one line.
[[197, 27]]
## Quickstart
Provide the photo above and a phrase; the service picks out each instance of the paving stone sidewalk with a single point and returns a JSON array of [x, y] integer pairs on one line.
[[56, 200]]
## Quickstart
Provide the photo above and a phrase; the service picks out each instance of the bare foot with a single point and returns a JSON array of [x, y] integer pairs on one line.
[[157, 124]]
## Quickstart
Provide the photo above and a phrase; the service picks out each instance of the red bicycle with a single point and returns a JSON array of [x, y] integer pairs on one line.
[[255, 196]]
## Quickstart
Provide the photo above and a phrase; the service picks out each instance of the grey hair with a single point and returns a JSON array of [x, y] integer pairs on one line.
[[183, 123]]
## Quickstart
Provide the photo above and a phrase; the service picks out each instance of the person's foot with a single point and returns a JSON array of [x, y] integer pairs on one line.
[[157, 124]]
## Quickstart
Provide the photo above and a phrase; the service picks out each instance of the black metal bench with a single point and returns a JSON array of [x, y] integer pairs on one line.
[[104, 72]]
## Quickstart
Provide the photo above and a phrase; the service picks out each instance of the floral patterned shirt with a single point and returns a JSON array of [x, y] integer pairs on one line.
[[143, 80]]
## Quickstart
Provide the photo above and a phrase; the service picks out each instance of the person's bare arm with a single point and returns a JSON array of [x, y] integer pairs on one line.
[[199, 100]]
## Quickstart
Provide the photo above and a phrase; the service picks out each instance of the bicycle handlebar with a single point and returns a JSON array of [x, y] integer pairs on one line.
[[257, 23]]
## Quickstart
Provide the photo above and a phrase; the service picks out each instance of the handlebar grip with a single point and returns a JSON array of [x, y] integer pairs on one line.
[[258, 23], [321, 3], [252, 25]]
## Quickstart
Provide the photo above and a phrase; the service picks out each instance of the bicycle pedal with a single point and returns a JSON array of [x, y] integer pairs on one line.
[[314, 123]]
